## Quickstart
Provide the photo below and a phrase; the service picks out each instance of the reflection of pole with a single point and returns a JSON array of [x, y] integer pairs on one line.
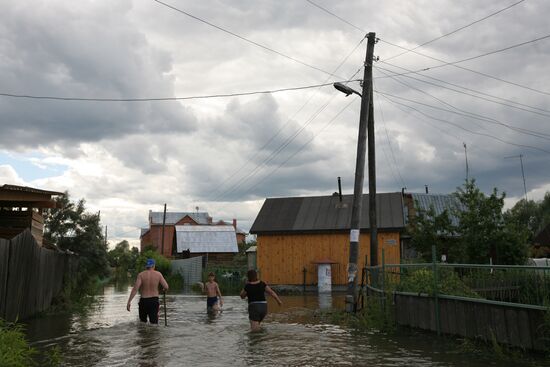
[[355, 224], [163, 225], [466, 155]]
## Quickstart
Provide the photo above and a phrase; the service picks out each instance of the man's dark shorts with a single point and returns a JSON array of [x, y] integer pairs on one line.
[[149, 307], [257, 311]]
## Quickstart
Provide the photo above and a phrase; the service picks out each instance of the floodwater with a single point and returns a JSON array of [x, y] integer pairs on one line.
[[108, 335]]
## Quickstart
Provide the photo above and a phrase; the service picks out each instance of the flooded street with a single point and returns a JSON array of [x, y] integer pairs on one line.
[[108, 335]]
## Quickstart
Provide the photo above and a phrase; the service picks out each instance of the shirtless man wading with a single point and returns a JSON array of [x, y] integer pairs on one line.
[[147, 283]]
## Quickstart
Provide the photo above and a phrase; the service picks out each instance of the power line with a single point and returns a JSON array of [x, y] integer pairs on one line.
[[506, 102], [472, 115], [483, 54], [389, 141], [221, 95], [228, 179], [273, 154], [427, 42], [465, 69], [419, 118], [302, 147], [243, 38], [336, 16], [457, 30], [463, 128]]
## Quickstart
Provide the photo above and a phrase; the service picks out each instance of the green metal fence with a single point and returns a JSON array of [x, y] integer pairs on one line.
[[520, 284]]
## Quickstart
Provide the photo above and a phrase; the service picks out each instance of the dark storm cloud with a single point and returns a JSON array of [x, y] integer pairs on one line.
[[84, 52]]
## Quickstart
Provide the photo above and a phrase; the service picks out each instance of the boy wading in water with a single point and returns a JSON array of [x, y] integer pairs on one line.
[[212, 293], [147, 283], [255, 291]]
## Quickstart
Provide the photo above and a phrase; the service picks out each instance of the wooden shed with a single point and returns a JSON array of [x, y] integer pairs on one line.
[[294, 233], [21, 208]]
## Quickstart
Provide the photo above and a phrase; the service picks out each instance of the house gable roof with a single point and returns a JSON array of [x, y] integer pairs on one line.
[[174, 217], [325, 214]]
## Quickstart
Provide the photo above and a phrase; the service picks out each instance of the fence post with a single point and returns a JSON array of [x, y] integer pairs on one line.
[[436, 292]]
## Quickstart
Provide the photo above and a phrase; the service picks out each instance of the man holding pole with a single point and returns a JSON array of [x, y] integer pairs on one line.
[[147, 283]]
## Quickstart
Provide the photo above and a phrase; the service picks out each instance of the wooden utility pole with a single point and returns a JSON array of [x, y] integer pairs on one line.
[[106, 244], [466, 156], [520, 156], [366, 122], [163, 225]]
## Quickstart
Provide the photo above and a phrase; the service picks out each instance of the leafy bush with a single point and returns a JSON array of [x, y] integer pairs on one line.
[[422, 281], [162, 264], [14, 349]]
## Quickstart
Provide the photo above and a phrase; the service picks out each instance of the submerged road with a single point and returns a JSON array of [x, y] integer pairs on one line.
[[108, 335]]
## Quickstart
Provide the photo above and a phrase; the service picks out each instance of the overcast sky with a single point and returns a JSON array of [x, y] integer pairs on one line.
[[225, 155]]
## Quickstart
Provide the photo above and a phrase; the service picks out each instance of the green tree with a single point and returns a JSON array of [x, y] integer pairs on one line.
[[122, 259], [72, 228], [483, 229], [427, 229]]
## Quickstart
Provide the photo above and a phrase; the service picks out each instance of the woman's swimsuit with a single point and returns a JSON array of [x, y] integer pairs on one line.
[[257, 304]]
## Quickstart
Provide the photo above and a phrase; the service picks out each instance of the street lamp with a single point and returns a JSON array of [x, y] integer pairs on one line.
[[345, 89]]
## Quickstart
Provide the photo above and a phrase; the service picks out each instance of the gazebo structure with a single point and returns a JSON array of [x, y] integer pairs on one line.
[[21, 208]]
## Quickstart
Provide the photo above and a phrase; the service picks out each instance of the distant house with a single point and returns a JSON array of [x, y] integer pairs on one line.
[[152, 236], [295, 233], [21, 208], [218, 243]]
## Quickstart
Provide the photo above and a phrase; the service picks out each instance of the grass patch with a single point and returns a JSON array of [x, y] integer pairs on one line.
[[15, 351]]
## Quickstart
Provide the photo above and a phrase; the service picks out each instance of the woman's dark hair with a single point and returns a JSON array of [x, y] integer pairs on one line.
[[252, 275]]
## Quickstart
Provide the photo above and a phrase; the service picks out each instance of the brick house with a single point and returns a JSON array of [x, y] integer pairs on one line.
[[152, 236]]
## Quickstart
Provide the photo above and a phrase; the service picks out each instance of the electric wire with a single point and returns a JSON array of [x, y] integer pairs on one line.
[[381, 113], [465, 69], [473, 115], [221, 95], [243, 38], [476, 117], [456, 30], [301, 148], [447, 63], [266, 144], [506, 102], [389, 96]]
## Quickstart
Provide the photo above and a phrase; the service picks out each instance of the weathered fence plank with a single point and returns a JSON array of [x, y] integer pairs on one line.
[[513, 325], [4, 258], [30, 276]]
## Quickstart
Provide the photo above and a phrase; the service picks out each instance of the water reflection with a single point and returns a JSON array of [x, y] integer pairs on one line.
[[325, 301]]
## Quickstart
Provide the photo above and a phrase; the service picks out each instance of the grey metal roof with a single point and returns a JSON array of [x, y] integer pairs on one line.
[[325, 213], [174, 217], [440, 203], [202, 239]]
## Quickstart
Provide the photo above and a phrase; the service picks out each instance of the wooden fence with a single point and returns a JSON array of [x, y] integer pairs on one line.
[[513, 324], [30, 276]]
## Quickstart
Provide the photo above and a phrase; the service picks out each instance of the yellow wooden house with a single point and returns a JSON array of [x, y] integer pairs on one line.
[[296, 233]]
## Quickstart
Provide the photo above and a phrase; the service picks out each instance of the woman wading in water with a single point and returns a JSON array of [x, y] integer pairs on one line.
[[255, 290]]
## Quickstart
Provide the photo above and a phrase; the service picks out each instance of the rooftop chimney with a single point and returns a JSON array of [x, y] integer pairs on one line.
[[340, 188], [235, 223], [427, 191]]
